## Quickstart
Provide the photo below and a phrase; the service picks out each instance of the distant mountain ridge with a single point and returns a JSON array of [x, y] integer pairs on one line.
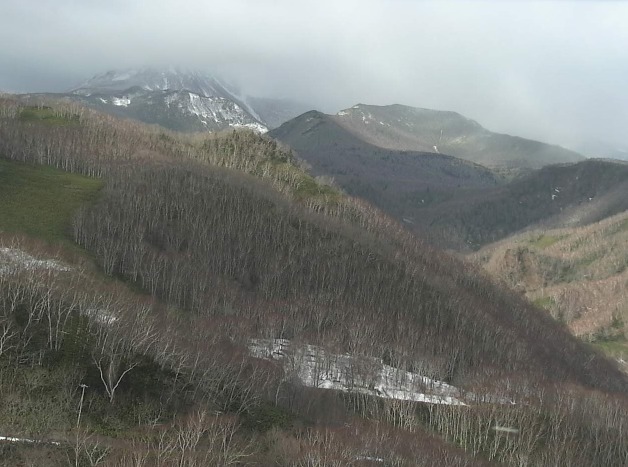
[[175, 99], [180, 100], [407, 128], [150, 79], [601, 149], [455, 203], [399, 182]]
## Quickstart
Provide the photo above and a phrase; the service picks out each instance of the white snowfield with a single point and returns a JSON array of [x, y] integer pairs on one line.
[[317, 368], [26, 440], [214, 109], [101, 316], [121, 101], [12, 260]]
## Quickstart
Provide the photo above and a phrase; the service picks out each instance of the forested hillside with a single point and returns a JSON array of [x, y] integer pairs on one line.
[[569, 195], [225, 308], [579, 274]]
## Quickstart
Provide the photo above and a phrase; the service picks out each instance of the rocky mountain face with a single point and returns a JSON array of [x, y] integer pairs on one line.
[[186, 101], [182, 101]]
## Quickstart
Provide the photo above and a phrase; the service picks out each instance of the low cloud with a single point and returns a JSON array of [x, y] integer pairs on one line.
[[554, 71]]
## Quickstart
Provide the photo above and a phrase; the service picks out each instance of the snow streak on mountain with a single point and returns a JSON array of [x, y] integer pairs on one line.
[[179, 100]]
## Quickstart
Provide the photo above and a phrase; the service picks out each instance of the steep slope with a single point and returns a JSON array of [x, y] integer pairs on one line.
[[413, 129], [233, 245], [397, 181], [455, 203], [182, 100], [178, 110]]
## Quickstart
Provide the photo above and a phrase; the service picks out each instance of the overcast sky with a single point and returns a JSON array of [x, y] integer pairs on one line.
[[555, 71]]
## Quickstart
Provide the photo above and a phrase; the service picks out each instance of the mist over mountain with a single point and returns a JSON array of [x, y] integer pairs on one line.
[[601, 149], [180, 100], [413, 129], [357, 233], [151, 79], [375, 153], [275, 112]]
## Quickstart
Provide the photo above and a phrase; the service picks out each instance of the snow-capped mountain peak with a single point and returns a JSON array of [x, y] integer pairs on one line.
[[152, 79], [180, 100]]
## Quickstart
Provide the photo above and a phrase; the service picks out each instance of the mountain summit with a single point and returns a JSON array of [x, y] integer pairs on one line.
[[151, 79], [179, 100], [182, 100]]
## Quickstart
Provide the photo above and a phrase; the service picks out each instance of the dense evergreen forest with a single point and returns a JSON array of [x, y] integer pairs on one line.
[[126, 338]]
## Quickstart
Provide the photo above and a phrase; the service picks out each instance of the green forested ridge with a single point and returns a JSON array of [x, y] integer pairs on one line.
[[230, 240]]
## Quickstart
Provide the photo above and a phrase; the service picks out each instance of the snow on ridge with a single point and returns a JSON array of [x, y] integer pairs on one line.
[[220, 110], [258, 127], [121, 101], [12, 439], [315, 367], [11, 260]]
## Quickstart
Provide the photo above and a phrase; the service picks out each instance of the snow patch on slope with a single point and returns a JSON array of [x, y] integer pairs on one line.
[[12, 439], [317, 368], [12, 260], [121, 101], [219, 110]]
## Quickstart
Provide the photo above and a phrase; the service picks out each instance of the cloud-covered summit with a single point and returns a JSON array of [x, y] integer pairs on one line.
[[554, 71]]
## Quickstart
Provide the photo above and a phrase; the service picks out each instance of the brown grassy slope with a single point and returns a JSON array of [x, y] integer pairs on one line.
[[579, 274]]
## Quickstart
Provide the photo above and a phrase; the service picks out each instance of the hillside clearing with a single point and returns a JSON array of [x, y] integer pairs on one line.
[[40, 201]]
